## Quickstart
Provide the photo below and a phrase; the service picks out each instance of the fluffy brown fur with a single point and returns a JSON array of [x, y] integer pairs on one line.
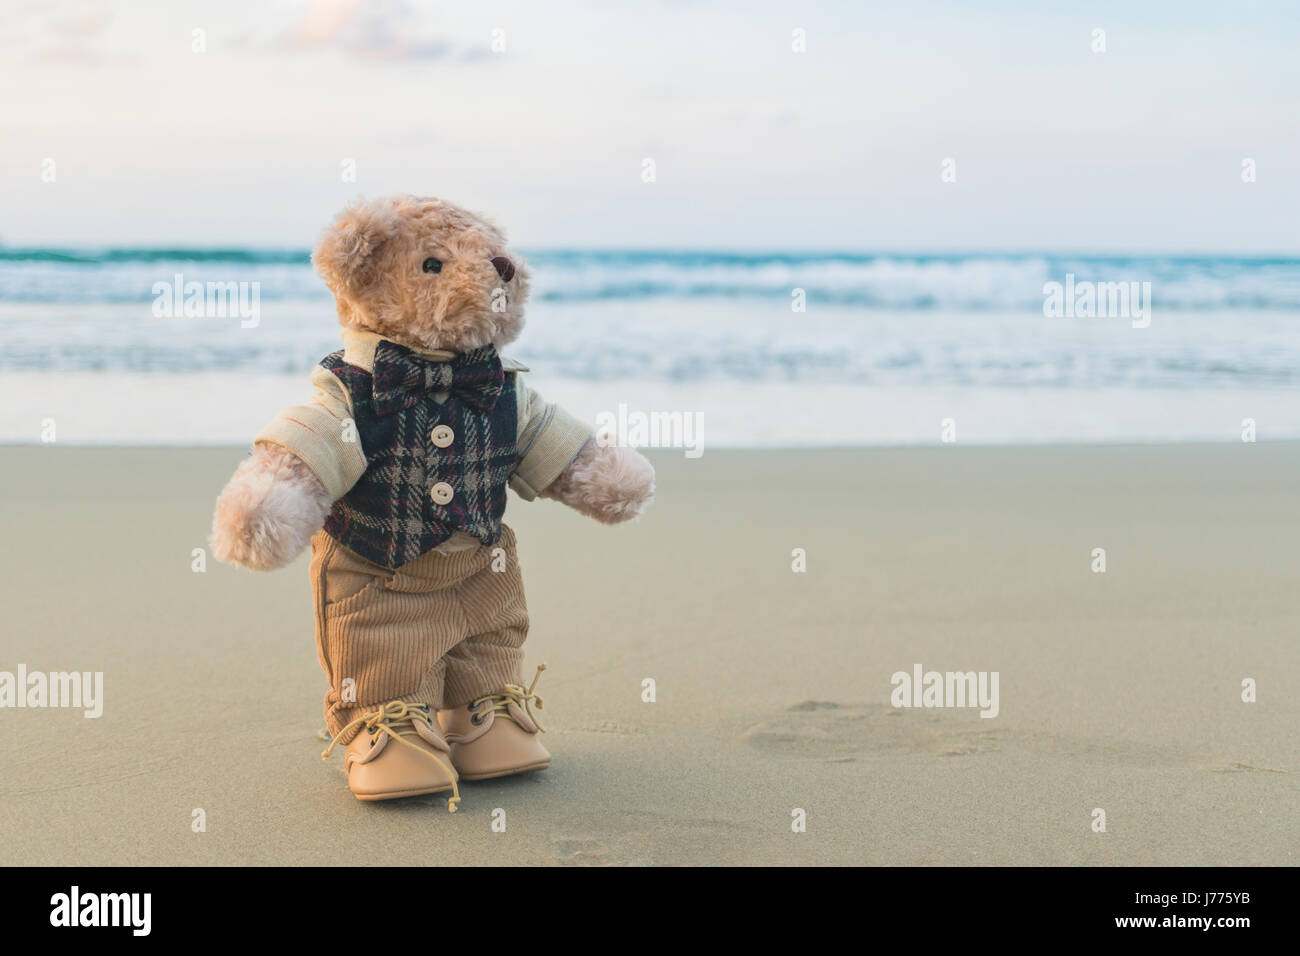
[[268, 511], [372, 256], [605, 482], [372, 259]]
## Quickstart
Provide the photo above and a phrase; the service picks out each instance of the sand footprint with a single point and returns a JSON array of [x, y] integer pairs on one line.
[[836, 732], [577, 852], [839, 732]]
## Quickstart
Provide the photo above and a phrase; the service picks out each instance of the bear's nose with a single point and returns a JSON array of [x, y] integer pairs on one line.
[[505, 268]]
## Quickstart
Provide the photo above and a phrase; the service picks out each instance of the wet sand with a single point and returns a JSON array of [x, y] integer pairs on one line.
[[1119, 690]]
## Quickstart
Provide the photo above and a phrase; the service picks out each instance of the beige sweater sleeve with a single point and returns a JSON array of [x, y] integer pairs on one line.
[[323, 434], [549, 439]]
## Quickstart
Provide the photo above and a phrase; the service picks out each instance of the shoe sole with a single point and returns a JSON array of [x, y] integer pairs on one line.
[[505, 773], [398, 794]]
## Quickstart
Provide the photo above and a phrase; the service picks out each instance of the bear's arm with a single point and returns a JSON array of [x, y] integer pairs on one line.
[[560, 459], [322, 433], [549, 439], [307, 458]]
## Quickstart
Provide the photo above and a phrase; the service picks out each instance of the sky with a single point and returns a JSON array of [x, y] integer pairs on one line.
[[543, 116]]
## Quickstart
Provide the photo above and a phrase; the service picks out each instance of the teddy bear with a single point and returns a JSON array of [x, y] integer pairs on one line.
[[395, 473]]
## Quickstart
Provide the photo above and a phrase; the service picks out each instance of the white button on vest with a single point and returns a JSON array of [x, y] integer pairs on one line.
[[442, 436], [441, 493]]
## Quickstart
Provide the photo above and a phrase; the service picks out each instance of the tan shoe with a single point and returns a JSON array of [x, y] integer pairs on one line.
[[496, 735], [399, 754]]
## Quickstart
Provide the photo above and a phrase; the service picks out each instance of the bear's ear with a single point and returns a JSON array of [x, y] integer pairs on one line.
[[348, 250]]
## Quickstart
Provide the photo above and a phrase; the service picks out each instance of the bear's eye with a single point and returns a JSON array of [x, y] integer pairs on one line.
[[432, 265]]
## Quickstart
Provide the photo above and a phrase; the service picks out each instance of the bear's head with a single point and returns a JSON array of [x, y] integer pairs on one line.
[[423, 273]]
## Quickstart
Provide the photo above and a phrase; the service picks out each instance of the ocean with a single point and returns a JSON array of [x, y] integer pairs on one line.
[[776, 349]]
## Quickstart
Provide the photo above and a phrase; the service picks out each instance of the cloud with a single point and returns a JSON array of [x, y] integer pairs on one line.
[[86, 19], [382, 30], [71, 32]]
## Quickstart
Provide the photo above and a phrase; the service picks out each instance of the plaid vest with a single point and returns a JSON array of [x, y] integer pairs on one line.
[[418, 450]]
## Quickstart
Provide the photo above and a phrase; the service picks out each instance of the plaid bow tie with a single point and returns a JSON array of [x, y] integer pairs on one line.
[[401, 377]]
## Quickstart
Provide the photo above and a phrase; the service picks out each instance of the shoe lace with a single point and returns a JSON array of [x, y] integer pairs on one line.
[[521, 697], [397, 719]]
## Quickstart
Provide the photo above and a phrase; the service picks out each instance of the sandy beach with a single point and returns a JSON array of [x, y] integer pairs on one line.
[[1119, 690]]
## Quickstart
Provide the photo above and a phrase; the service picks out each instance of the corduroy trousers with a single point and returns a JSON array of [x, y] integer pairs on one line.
[[440, 630]]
